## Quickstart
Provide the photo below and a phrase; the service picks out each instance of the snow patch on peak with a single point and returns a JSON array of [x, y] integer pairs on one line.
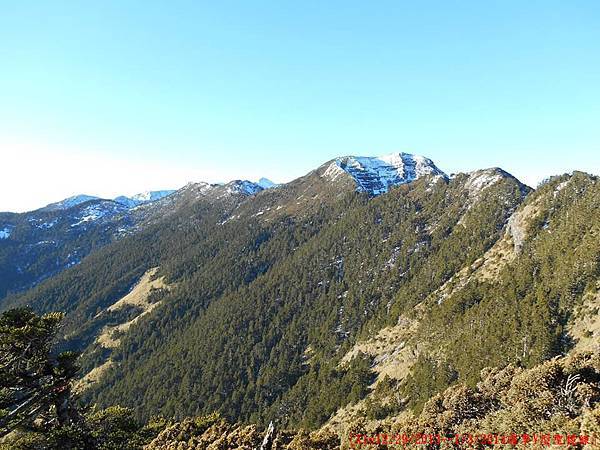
[[243, 187], [265, 183], [481, 179], [142, 198], [150, 196], [377, 175]]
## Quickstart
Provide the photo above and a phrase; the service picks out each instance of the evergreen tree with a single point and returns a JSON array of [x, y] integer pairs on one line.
[[34, 383]]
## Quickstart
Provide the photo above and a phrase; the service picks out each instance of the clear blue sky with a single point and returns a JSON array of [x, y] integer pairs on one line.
[[155, 92]]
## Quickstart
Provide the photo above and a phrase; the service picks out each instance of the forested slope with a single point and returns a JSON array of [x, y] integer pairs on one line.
[[265, 293], [304, 285]]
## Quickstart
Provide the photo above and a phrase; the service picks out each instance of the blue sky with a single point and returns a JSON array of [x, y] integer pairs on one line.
[[117, 97]]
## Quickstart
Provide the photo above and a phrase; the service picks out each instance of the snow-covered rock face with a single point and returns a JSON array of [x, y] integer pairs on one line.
[[377, 175]]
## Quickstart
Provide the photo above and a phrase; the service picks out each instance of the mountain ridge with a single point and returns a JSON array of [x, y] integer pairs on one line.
[[372, 174], [128, 201], [297, 302]]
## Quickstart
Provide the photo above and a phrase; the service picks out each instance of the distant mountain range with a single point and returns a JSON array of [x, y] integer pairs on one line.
[[374, 175], [143, 197], [130, 202]]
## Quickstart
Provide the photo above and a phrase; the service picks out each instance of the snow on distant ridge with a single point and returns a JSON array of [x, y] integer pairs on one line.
[[129, 202], [143, 197], [236, 186], [265, 183], [377, 175], [243, 187], [69, 202], [249, 187]]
